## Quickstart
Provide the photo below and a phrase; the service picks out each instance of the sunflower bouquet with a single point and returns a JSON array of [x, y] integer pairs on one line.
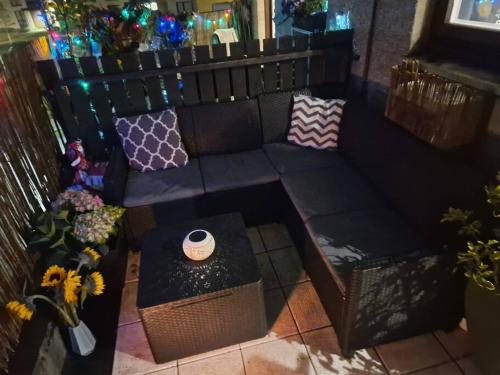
[[66, 289]]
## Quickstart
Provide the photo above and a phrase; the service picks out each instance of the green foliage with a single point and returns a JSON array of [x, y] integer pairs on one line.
[[481, 260], [308, 7]]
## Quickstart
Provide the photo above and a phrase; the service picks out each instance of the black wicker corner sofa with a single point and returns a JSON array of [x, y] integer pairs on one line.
[[365, 218]]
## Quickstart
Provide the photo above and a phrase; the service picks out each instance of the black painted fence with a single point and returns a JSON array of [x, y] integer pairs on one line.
[[87, 93]]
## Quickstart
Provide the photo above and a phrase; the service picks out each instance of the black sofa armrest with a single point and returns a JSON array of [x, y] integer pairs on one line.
[[401, 297], [115, 178]]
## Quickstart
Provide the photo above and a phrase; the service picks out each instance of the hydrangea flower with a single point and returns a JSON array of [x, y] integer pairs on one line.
[[80, 200], [96, 226]]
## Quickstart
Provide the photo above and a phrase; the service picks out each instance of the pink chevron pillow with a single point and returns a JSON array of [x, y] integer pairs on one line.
[[315, 122]]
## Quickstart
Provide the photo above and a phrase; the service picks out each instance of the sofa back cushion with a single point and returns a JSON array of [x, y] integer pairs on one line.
[[413, 176], [227, 127], [186, 127], [275, 114]]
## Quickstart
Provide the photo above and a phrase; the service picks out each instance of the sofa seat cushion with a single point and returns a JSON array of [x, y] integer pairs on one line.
[[329, 191], [163, 186], [349, 239], [287, 158], [232, 171]]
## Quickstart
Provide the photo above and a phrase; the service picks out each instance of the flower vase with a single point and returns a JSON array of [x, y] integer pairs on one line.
[[82, 340]]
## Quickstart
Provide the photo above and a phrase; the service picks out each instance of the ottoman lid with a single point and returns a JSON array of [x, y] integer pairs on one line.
[[167, 275]]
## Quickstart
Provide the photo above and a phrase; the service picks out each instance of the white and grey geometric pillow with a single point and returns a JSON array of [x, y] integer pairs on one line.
[[315, 122], [152, 141]]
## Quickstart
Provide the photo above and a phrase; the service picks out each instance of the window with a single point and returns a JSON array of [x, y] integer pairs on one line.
[[221, 6], [21, 19], [184, 6], [482, 14]]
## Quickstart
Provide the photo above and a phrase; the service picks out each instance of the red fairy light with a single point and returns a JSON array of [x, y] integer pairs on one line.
[[136, 26]]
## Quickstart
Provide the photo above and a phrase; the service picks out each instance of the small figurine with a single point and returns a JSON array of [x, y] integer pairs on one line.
[[87, 173]]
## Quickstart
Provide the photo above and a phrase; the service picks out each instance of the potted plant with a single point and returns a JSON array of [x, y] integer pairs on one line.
[[481, 264], [309, 15], [76, 220], [66, 291]]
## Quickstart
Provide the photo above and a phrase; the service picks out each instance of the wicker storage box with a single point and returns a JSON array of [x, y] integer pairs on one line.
[[441, 112], [190, 307], [200, 324]]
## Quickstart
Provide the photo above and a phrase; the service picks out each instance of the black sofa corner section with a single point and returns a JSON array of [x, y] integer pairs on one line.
[[365, 218]]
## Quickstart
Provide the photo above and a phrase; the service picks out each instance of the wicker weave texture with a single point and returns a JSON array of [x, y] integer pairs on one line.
[[203, 323]]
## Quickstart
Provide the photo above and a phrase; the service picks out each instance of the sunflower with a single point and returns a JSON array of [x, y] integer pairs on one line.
[[53, 276], [71, 285], [20, 309], [95, 283], [94, 255]]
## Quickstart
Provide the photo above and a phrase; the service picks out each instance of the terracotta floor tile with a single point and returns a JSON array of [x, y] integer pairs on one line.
[[275, 236], [456, 343], [326, 357], [128, 307], [449, 368], [412, 354], [225, 364], [288, 266], [469, 366], [279, 318], [133, 263], [268, 274], [209, 354], [256, 240], [166, 371], [281, 357], [132, 353], [306, 307]]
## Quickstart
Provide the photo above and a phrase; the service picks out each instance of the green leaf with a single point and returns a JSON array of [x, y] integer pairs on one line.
[[103, 249], [62, 215], [59, 242], [43, 228], [40, 240]]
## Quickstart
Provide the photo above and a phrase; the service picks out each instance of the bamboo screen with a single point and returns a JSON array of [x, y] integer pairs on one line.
[[28, 178]]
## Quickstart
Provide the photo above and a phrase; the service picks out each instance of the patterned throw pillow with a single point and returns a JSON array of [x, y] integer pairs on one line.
[[152, 141], [315, 122]]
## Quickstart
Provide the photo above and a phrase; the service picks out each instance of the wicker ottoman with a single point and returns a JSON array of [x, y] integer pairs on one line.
[[190, 307]]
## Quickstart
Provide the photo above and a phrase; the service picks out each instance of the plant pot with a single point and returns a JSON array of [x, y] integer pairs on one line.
[[311, 22], [82, 340], [482, 309]]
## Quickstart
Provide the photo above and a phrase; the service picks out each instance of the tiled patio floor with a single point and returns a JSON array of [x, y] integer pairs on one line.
[[301, 339]]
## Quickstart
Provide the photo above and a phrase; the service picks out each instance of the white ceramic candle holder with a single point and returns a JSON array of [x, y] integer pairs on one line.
[[198, 245]]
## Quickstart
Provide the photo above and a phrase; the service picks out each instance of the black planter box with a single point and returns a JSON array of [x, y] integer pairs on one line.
[[313, 22]]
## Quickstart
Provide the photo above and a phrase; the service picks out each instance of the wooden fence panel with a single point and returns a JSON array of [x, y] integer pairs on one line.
[[238, 74], [151, 81], [254, 71], [153, 84], [300, 44], [117, 89], [189, 84], [271, 69], [206, 78], [88, 129], [135, 87], [167, 61], [101, 101], [286, 67], [222, 81]]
